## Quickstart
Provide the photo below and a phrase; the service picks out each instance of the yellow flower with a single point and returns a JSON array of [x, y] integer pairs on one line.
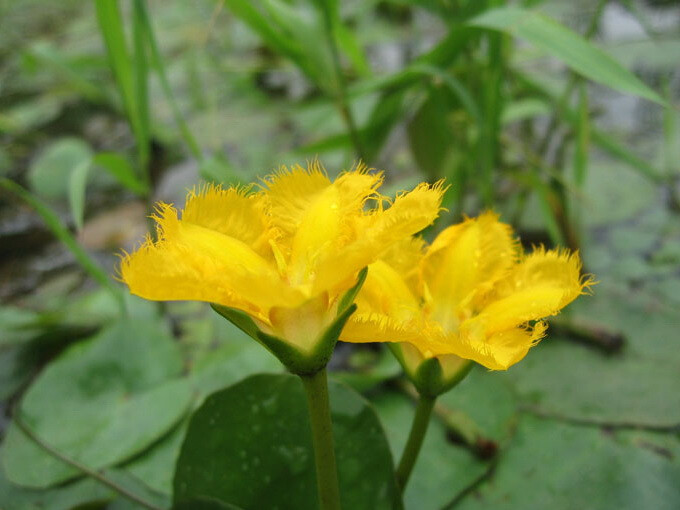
[[284, 252], [471, 295]]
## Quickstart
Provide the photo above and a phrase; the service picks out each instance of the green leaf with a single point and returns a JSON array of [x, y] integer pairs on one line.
[[146, 29], [430, 134], [67, 497], [121, 169], [99, 403], [50, 174], [250, 445], [556, 465], [559, 41], [19, 325], [204, 504], [631, 388], [443, 469], [122, 65], [77, 186]]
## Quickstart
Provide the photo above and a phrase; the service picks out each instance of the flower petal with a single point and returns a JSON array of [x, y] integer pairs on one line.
[[496, 352], [377, 327], [191, 262], [377, 231], [464, 261], [386, 292], [290, 192], [539, 286], [233, 212]]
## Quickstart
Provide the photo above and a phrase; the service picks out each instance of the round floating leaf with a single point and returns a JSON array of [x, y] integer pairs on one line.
[[50, 173], [250, 445], [560, 466], [443, 469], [100, 403]]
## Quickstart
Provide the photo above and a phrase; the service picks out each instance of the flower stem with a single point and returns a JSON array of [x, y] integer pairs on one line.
[[415, 440], [316, 387]]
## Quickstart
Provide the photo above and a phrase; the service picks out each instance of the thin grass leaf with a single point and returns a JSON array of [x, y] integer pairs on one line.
[[111, 26], [62, 233], [119, 167], [158, 65], [559, 41], [141, 74], [582, 138], [599, 138]]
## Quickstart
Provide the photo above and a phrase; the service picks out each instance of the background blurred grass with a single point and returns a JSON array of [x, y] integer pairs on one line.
[[106, 107]]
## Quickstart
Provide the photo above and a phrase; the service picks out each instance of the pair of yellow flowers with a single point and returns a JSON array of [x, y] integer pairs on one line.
[[286, 252]]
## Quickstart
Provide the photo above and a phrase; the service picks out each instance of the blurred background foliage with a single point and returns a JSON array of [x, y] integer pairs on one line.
[[561, 116]]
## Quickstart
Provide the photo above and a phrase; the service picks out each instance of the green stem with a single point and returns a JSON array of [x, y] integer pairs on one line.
[[316, 387], [415, 439]]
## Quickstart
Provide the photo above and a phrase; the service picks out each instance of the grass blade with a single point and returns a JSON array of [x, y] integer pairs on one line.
[[559, 41], [119, 167], [144, 21], [62, 233], [111, 26]]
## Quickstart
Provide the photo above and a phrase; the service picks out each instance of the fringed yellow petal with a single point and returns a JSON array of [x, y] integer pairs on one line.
[[465, 261], [289, 193], [161, 272], [496, 352], [539, 286], [319, 215], [194, 263], [233, 212], [377, 231], [377, 327], [404, 257], [503, 349], [386, 292]]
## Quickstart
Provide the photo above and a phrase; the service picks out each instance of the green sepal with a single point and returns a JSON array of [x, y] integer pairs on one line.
[[238, 318], [349, 296], [297, 361], [429, 378]]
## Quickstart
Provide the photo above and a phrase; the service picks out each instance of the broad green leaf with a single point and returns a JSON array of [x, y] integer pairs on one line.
[[121, 169], [250, 445], [100, 403], [559, 41], [204, 504], [50, 173], [496, 417], [629, 388], [556, 465], [443, 469], [67, 497], [19, 325]]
